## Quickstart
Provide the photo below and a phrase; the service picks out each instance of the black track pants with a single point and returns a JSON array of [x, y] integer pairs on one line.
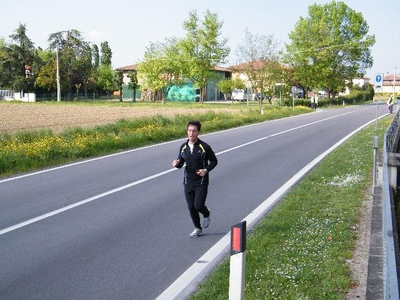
[[196, 198]]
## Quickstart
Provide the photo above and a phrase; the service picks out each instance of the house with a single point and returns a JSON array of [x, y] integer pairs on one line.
[[127, 92], [242, 71], [238, 71], [361, 82], [390, 85], [187, 92]]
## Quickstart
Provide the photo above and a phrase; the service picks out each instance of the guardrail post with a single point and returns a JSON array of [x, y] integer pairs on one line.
[[376, 144], [393, 164], [237, 262]]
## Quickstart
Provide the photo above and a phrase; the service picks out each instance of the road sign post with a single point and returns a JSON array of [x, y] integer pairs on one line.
[[280, 92], [294, 91], [378, 81], [237, 262], [378, 86]]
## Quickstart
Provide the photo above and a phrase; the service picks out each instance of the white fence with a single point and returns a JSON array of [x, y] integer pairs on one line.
[[9, 95], [242, 95]]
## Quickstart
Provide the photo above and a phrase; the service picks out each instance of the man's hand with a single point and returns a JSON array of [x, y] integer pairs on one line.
[[201, 172], [176, 163]]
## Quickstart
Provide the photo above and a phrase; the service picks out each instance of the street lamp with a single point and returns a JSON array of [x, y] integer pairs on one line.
[[394, 83]]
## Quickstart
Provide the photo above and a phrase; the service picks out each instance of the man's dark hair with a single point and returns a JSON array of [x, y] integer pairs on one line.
[[194, 123]]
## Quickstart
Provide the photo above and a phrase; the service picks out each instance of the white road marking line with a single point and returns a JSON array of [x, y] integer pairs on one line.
[[68, 207]]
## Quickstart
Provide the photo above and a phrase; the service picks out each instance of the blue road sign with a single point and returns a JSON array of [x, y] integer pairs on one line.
[[378, 80]]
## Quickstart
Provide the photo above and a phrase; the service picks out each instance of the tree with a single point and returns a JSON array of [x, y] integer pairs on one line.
[[330, 46], [6, 69], [16, 61], [107, 79], [85, 67], [95, 56], [203, 48], [163, 67], [259, 60], [133, 83], [119, 80], [94, 74], [106, 54], [46, 78], [75, 57], [3, 56], [228, 85]]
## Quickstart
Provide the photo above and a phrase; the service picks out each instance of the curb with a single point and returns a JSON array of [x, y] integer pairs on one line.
[[375, 285]]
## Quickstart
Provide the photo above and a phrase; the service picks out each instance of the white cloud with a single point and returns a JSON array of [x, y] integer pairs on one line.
[[97, 36]]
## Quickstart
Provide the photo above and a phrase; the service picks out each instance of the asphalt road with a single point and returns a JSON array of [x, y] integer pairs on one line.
[[117, 227]]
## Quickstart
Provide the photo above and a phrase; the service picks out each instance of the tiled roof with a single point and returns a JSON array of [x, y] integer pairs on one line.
[[222, 69], [389, 77], [128, 68], [388, 80], [256, 64], [135, 68]]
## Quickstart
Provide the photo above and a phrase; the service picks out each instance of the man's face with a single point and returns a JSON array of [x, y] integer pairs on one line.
[[193, 133]]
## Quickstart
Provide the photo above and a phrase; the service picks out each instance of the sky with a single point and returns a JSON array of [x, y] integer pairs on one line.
[[129, 26]]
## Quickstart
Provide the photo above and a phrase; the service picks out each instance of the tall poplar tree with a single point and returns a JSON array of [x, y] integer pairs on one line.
[[133, 83], [106, 54], [95, 56]]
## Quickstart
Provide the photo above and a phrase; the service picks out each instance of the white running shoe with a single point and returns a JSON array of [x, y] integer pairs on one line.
[[196, 233], [207, 220]]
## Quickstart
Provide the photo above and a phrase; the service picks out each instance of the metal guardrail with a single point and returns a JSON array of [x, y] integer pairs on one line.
[[390, 276]]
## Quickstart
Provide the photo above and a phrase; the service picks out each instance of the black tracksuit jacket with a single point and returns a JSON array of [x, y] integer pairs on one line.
[[203, 157]]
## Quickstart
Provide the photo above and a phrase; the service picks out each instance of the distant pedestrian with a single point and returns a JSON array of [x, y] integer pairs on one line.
[[313, 103], [390, 104], [199, 160], [390, 101]]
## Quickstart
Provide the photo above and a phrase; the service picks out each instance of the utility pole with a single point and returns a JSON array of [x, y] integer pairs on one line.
[[394, 83], [58, 78]]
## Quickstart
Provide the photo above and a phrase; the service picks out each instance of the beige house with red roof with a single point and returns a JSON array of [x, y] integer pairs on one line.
[[187, 93], [391, 84]]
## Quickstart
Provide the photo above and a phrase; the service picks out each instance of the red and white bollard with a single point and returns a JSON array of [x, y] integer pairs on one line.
[[237, 262]]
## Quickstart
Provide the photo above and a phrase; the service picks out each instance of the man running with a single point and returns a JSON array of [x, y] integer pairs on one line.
[[200, 159]]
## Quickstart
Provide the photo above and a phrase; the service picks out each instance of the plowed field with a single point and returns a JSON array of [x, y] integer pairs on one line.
[[18, 117]]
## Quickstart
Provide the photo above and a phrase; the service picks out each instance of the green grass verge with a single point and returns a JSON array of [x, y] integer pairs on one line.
[[299, 250], [30, 150]]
